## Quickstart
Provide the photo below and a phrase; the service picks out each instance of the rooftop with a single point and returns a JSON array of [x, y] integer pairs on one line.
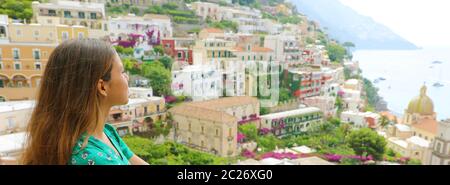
[[403, 127], [226, 102], [291, 113], [12, 142], [87, 6], [16, 105], [429, 125], [399, 142], [418, 141], [213, 30], [189, 110]]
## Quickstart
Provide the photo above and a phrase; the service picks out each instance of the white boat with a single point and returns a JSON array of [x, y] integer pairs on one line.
[[437, 84]]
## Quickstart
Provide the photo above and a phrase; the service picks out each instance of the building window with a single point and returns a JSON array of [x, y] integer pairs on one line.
[[65, 35], [19, 32], [157, 108], [67, 14], [52, 12], [11, 123], [180, 55], [36, 33], [36, 54], [189, 127], [145, 110], [2, 31], [81, 15], [16, 54], [189, 140], [217, 134], [203, 130], [80, 35], [37, 66], [17, 65], [243, 58], [93, 15]]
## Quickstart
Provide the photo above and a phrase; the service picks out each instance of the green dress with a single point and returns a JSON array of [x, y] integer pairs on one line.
[[97, 152]]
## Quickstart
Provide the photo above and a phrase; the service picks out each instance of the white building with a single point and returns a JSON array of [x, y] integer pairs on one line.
[[285, 46], [361, 119], [4, 29], [132, 24], [325, 103], [249, 19], [11, 147], [413, 147], [292, 122], [14, 116], [88, 14], [441, 145], [199, 82], [351, 95]]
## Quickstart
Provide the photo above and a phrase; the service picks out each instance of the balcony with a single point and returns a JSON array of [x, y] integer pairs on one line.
[[248, 120]]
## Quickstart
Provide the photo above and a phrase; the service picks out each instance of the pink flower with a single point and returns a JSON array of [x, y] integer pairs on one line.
[[240, 137]]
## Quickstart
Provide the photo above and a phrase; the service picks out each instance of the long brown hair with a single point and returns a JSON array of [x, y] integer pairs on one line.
[[68, 102]]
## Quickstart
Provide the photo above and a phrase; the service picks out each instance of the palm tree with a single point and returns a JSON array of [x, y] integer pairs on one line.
[[384, 121]]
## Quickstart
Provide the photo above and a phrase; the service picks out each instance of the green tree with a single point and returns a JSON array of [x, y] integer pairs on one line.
[[264, 110], [309, 40], [159, 76], [135, 10], [16, 9], [249, 130], [170, 6], [269, 142], [367, 142], [285, 95], [348, 45], [336, 52], [158, 49], [167, 62], [384, 121]]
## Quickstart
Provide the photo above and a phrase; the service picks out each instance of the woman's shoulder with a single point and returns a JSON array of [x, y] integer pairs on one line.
[[92, 155]]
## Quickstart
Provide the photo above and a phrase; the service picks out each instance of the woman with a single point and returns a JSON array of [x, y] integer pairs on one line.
[[83, 79]]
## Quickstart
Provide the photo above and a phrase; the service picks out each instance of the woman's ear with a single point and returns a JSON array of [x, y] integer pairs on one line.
[[102, 87]]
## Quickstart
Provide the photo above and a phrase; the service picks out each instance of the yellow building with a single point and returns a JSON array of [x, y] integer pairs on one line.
[[137, 115], [88, 14], [414, 137], [211, 126], [421, 117], [24, 55]]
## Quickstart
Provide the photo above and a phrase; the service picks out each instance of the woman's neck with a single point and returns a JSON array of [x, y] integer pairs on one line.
[[98, 132]]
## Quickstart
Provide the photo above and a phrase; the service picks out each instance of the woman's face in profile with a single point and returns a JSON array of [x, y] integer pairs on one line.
[[118, 85]]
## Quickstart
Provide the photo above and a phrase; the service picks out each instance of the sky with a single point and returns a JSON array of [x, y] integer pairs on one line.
[[424, 22]]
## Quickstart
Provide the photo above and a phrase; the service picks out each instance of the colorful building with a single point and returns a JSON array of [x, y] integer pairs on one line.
[[211, 126], [24, 53], [292, 122]]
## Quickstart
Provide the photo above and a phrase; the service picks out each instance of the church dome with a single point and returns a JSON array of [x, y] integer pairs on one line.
[[421, 104]]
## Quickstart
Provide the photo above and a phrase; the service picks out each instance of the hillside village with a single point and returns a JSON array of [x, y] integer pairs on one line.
[[242, 82]]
